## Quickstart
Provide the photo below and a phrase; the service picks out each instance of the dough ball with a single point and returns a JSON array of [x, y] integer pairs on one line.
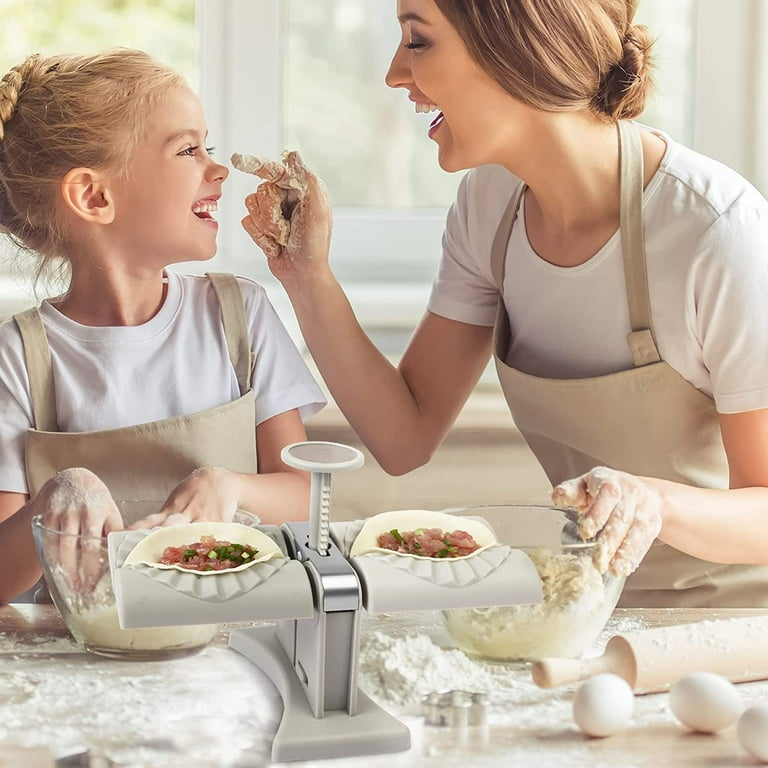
[[603, 705], [705, 702], [752, 731]]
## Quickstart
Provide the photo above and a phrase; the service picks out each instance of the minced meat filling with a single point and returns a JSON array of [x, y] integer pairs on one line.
[[208, 554], [428, 542]]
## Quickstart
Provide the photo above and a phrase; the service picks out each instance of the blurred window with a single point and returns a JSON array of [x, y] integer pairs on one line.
[[309, 75]]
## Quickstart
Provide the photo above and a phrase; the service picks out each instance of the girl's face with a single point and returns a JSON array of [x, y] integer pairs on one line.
[[472, 124], [164, 206]]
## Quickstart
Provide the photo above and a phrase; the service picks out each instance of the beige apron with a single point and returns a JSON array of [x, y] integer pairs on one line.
[[647, 420], [145, 461]]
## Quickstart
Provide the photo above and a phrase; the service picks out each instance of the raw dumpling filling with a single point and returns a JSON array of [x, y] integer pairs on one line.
[[209, 554], [429, 542]]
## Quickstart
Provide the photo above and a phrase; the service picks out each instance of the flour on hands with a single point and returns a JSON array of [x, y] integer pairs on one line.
[[289, 216], [624, 509], [79, 505]]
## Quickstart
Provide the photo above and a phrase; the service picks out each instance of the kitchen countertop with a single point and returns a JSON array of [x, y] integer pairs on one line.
[[155, 714]]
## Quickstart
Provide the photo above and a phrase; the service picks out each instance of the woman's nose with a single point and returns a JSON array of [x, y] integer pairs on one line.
[[399, 72]]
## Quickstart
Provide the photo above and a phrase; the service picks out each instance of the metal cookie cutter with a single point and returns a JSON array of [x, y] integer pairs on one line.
[[454, 709]]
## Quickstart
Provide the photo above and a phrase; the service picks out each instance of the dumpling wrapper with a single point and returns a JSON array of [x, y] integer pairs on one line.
[[410, 520], [150, 549]]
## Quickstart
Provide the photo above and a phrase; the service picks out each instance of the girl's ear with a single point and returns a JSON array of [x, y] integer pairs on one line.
[[87, 195]]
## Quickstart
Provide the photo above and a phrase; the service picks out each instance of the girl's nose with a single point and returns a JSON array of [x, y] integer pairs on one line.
[[399, 72], [218, 172]]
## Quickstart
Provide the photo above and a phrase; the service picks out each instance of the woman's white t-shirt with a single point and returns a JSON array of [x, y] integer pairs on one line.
[[175, 364], [706, 243]]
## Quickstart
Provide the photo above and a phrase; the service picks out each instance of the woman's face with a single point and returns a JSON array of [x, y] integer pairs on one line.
[[471, 126]]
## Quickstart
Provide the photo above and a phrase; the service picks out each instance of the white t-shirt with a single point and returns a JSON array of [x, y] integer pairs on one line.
[[173, 365], [706, 242]]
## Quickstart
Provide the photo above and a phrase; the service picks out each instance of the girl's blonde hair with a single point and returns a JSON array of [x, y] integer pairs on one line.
[[560, 55], [65, 112]]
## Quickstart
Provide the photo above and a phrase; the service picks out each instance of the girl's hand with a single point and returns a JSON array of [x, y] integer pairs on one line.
[[207, 494], [78, 504], [290, 219], [624, 509]]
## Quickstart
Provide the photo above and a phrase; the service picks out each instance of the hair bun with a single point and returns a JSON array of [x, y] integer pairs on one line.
[[625, 87]]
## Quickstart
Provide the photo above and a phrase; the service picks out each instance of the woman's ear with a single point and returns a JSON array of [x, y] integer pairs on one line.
[[87, 195]]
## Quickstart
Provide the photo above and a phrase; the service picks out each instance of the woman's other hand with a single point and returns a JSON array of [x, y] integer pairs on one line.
[[290, 219], [207, 494], [623, 508]]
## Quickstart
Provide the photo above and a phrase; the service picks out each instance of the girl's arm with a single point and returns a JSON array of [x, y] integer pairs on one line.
[[19, 566], [276, 494], [74, 501]]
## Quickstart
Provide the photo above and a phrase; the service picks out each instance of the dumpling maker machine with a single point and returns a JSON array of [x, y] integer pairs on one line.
[[315, 595]]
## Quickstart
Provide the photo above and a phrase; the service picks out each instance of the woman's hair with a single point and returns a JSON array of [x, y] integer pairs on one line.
[[560, 55], [67, 112]]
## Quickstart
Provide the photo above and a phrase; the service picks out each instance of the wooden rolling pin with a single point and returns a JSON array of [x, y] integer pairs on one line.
[[651, 660]]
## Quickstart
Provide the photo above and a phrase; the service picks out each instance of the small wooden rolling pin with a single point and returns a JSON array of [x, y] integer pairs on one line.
[[651, 660]]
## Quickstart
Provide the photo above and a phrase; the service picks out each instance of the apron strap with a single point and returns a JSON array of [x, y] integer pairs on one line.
[[642, 344], [235, 326], [501, 239], [39, 370]]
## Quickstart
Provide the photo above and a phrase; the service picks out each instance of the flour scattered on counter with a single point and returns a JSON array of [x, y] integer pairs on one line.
[[68, 704], [403, 670]]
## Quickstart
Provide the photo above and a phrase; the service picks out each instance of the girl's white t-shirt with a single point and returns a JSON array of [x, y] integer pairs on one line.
[[175, 364], [706, 242]]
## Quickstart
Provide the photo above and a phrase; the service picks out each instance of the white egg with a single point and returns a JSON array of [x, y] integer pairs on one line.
[[705, 702], [603, 705], [752, 731]]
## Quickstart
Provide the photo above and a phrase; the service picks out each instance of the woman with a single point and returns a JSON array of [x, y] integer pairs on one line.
[[632, 336]]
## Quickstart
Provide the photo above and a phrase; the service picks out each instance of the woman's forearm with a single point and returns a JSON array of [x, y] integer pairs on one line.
[[369, 389], [721, 526]]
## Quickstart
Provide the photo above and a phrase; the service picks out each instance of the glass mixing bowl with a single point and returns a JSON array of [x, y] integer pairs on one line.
[[76, 571], [578, 600]]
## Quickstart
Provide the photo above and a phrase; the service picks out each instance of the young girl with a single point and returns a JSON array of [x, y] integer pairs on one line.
[[618, 278], [136, 383]]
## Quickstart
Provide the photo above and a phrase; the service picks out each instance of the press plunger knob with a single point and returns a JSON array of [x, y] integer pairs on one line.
[[321, 459]]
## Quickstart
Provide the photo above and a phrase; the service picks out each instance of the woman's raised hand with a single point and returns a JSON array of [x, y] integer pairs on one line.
[[289, 216], [623, 508]]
